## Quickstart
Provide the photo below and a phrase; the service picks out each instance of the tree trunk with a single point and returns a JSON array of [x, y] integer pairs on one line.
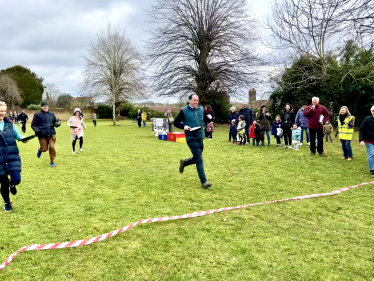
[[114, 113]]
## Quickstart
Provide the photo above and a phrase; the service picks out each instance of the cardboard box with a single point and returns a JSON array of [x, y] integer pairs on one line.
[[182, 140], [175, 136], [163, 137]]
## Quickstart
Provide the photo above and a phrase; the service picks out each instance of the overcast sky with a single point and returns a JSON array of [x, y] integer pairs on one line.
[[51, 37]]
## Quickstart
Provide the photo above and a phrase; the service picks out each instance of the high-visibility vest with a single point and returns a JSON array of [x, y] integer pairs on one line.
[[346, 133]]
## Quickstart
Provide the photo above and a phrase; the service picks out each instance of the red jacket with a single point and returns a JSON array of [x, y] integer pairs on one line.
[[252, 132], [314, 115]]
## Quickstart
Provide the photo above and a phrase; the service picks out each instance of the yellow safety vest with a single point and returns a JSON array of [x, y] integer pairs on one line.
[[346, 133]]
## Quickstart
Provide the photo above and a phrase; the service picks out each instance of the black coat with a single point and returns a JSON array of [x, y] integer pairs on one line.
[[259, 133], [288, 119], [367, 129], [23, 117], [10, 161], [206, 119], [43, 124]]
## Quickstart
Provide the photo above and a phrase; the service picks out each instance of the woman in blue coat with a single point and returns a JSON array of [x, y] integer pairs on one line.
[[10, 161]]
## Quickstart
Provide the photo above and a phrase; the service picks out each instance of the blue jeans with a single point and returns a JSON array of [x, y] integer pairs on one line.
[[347, 149], [234, 139], [258, 142], [197, 147], [143, 123], [370, 153], [268, 134], [306, 129]]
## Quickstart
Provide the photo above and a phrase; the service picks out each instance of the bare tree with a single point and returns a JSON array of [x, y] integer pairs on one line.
[[316, 28], [9, 92], [201, 46], [113, 69], [51, 91]]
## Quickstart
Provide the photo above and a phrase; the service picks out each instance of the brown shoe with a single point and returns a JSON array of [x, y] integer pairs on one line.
[[312, 154], [322, 154]]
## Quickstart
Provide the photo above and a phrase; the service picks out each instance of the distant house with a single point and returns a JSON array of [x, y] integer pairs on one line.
[[160, 108]]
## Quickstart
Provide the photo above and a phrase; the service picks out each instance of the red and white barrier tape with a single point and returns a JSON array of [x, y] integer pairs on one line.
[[185, 216]]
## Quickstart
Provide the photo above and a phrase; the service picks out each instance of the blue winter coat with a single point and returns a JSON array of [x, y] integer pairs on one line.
[[233, 116], [10, 161], [249, 115], [274, 128], [301, 120], [233, 130]]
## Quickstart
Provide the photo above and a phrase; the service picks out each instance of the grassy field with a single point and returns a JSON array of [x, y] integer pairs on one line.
[[125, 174]]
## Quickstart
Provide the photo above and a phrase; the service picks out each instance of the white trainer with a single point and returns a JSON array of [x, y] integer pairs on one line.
[[301, 143], [73, 152], [81, 149]]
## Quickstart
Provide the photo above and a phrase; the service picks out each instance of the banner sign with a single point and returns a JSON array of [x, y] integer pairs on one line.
[[160, 125]]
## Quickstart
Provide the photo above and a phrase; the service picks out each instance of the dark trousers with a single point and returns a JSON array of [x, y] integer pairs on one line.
[[313, 134], [209, 135], [24, 127], [287, 136], [139, 123], [15, 179], [258, 142], [94, 122], [234, 139], [246, 137], [75, 141], [197, 147], [279, 140]]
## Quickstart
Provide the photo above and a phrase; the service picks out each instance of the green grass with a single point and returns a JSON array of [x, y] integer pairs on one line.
[[126, 174]]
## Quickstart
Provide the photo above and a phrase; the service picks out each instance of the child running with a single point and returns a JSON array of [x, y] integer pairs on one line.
[[296, 136], [75, 123]]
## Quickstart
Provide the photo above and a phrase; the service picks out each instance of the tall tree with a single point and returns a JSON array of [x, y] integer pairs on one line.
[[201, 46], [315, 29], [64, 101], [113, 69], [29, 84], [9, 92]]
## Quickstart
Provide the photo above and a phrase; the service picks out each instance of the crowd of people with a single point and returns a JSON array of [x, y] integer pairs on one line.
[[312, 119], [197, 122]]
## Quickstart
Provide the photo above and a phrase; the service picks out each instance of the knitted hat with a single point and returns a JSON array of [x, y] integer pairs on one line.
[[77, 109], [44, 103]]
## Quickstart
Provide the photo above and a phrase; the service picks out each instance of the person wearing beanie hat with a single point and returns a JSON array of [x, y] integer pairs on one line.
[[76, 123], [44, 123]]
